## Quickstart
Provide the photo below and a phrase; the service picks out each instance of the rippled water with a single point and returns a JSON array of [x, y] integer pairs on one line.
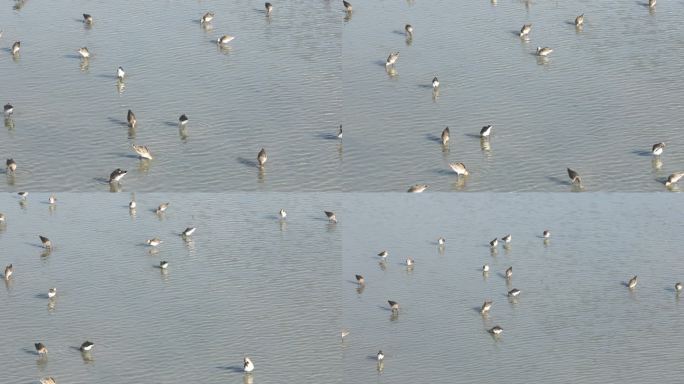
[[597, 104], [276, 87], [574, 320], [247, 284]]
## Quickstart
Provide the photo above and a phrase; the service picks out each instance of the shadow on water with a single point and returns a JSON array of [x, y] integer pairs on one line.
[[327, 136], [247, 162], [117, 121], [640, 152], [558, 181], [232, 368], [433, 137], [171, 124]]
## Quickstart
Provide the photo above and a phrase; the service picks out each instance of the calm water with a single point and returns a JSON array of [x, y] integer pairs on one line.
[[278, 86], [574, 318], [243, 285], [601, 100]]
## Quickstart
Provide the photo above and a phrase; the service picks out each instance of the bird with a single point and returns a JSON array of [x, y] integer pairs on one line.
[[545, 51], [632, 283], [269, 8], [207, 18], [248, 365], [347, 6], [509, 272], [339, 132], [673, 178], [52, 292], [417, 188], [183, 119], [154, 241], [485, 131], [120, 73], [495, 330], [11, 165], [409, 29], [161, 208], [142, 151], [445, 136], [41, 349], [657, 149], [261, 157], [513, 292], [9, 270], [494, 242], [679, 287], [485, 268], [459, 168], [441, 241], [88, 19], [331, 216], [188, 231], [435, 83], [360, 280], [507, 238], [525, 30], [392, 58], [344, 333], [383, 254], [225, 39], [2, 217], [282, 214], [394, 306], [9, 109], [579, 20], [86, 346], [48, 380], [52, 200], [651, 3], [83, 51], [16, 47], [410, 262], [380, 356], [486, 306], [130, 118], [23, 194], [163, 264], [116, 175], [546, 234], [46, 242], [574, 177], [132, 204]]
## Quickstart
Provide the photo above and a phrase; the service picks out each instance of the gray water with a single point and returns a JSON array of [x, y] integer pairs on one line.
[[574, 321], [246, 284], [276, 87], [597, 104]]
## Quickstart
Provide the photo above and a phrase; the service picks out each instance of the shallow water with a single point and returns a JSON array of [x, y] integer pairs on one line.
[[276, 87], [574, 318], [243, 286], [597, 104]]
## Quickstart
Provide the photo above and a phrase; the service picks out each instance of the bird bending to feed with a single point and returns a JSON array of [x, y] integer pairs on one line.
[[509, 272], [207, 18], [494, 242], [120, 73], [380, 356], [16, 47], [513, 292], [435, 83], [392, 58], [9, 270], [8, 109], [678, 287], [657, 149], [84, 52], [269, 8], [673, 178], [130, 118], [282, 214], [445, 136], [154, 242], [486, 306], [651, 3], [331, 216], [495, 330], [525, 30], [11, 165], [409, 29], [394, 306], [48, 380], [485, 131], [459, 168], [225, 39], [45, 241], [579, 20], [347, 6], [485, 268], [544, 51], [418, 188], [88, 19], [261, 157], [360, 280], [383, 254], [507, 239], [142, 151], [188, 231], [164, 264], [248, 365], [632, 283], [574, 177], [23, 195], [52, 292], [41, 349], [546, 234], [183, 119], [116, 175], [86, 346], [161, 208]]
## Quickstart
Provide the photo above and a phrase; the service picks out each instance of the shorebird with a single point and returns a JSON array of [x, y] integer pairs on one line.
[[52, 200], [45, 241], [188, 231], [380, 356], [269, 8], [545, 51], [207, 18], [494, 242], [142, 151], [507, 238], [651, 3], [130, 118], [225, 39], [83, 51], [495, 330], [331, 216], [52, 292], [678, 287], [445, 136], [383, 254], [632, 283], [513, 292], [161, 208], [339, 132], [282, 214], [347, 6], [164, 264], [16, 47], [9, 270], [459, 168], [441, 241], [86, 346], [673, 178], [116, 175], [394, 306], [525, 30], [11, 165], [2, 217], [344, 333], [261, 157], [183, 119], [509, 272], [41, 349], [579, 20], [435, 83], [360, 280], [120, 74], [409, 262], [409, 30], [417, 188], [48, 380], [392, 58], [657, 149], [154, 242], [486, 306], [23, 195], [485, 131], [485, 268], [88, 19], [8, 108], [248, 366], [574, 177]]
